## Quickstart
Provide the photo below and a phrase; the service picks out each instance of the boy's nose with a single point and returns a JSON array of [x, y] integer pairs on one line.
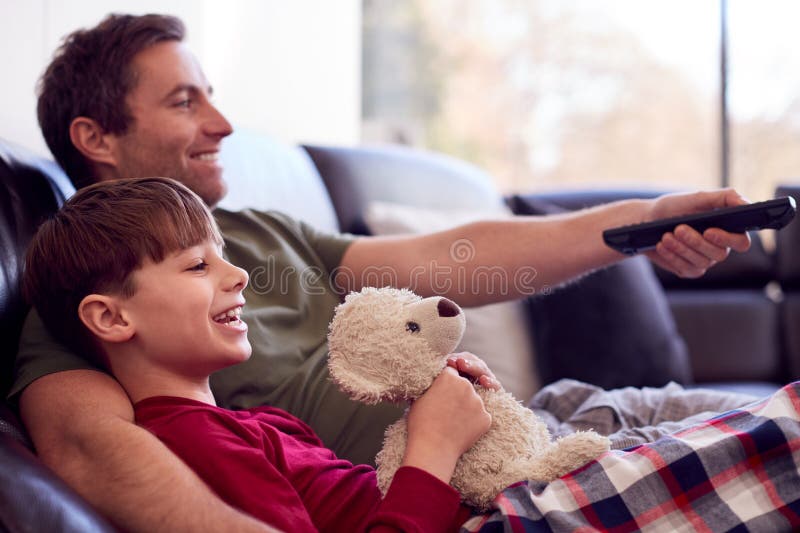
[[237, 279]]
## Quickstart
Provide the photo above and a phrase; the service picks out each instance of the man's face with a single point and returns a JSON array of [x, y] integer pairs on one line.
[[176, 131], [185, 312]]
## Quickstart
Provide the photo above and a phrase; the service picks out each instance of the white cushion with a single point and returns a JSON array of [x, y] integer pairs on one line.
[[265, 174], [497, 333]]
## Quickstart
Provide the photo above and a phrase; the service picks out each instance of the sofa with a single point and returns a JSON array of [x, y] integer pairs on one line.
[[735, 328]]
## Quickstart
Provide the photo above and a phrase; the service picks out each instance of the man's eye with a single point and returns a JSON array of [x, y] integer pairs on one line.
[[199, 267], [184, 103]]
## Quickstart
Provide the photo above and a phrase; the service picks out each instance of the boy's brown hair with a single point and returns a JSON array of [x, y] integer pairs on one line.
[[95, 242], [90, 76]]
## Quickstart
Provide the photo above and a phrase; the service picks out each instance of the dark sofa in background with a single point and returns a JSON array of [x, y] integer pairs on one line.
[[736, 327]]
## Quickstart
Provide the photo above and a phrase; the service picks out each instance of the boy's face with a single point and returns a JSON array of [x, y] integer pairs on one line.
[[176, 130], [185, 312]]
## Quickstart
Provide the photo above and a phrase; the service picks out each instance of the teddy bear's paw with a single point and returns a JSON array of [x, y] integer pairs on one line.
[[391, 455], [568, 453], [480, 492]]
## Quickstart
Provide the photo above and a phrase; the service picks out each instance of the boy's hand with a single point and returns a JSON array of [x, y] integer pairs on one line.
[[443, 423], [685, 251], [474, 368]]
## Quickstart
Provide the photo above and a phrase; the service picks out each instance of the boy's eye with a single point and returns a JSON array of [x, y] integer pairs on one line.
[[199, 267]]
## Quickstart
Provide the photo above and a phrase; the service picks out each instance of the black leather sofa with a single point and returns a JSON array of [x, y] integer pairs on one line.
[[32, 498], [737, 332]]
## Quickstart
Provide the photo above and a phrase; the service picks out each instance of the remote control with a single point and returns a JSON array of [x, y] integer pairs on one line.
[[772, 214]]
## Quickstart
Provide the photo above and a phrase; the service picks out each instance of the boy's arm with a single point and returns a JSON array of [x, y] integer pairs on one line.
[[443, 423], [81, 422]]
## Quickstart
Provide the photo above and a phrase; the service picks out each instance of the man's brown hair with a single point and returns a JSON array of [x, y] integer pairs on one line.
[[95, 242], [90, 76]]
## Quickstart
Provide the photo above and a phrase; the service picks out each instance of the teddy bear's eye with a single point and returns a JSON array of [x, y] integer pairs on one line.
[[413, 327]]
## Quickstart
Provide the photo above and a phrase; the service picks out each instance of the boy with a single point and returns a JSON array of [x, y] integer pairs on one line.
[[131, 272]]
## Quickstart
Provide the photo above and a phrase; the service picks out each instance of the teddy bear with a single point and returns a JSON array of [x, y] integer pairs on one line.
[[390, 344]]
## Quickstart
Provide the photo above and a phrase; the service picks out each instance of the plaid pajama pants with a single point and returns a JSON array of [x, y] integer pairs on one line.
[[736, 471]]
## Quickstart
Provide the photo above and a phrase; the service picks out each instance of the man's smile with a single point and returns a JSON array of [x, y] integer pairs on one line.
[[206, 156]]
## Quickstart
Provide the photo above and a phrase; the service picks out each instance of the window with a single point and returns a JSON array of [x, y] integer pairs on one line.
[[547, 93], [763, 95]]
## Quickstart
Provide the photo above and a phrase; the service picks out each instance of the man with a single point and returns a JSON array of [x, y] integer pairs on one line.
[[128, 99]]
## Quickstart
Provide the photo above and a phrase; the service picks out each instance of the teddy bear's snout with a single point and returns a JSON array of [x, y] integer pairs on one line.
[[447, 308]]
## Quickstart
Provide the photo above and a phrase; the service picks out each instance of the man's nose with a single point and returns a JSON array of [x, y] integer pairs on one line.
[[216, 124]]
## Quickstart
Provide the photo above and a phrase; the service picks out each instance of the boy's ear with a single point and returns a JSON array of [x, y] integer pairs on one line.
[[105, 318], [90, 140]]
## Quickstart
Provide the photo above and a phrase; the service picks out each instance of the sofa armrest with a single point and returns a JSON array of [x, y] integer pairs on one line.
[[32, 497]]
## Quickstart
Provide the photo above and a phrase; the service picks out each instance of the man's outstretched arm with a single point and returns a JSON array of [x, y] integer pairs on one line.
[[81, 422], [497, 260]]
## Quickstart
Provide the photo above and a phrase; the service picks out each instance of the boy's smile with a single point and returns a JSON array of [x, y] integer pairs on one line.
[[230, 318], [185, 312]]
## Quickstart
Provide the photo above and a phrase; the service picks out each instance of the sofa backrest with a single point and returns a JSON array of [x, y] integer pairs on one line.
[[734, 327], [788, 267], [787, 250], [356, 177], [31, 188]]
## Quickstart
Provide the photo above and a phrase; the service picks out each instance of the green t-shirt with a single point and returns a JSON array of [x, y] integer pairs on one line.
[[290, 303]]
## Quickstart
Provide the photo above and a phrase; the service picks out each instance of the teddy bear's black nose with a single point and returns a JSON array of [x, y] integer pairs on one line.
[[447, 308]]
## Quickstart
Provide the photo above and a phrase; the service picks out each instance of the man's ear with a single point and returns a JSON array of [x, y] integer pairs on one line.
[[105, 318], [91, 141]]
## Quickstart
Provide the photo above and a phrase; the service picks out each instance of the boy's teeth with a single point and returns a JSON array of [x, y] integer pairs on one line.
[[232, 314]]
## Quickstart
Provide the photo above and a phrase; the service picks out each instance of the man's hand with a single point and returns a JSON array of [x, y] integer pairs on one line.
[[685, 251], [444, 423]]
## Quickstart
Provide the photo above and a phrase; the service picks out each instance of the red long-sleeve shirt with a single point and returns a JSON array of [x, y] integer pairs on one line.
[[272, 466]]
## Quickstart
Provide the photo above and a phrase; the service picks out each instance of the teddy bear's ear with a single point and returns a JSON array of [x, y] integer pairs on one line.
[[356, 384]]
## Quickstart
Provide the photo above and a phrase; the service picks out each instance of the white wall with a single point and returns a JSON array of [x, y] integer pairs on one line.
[[291, 69]]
